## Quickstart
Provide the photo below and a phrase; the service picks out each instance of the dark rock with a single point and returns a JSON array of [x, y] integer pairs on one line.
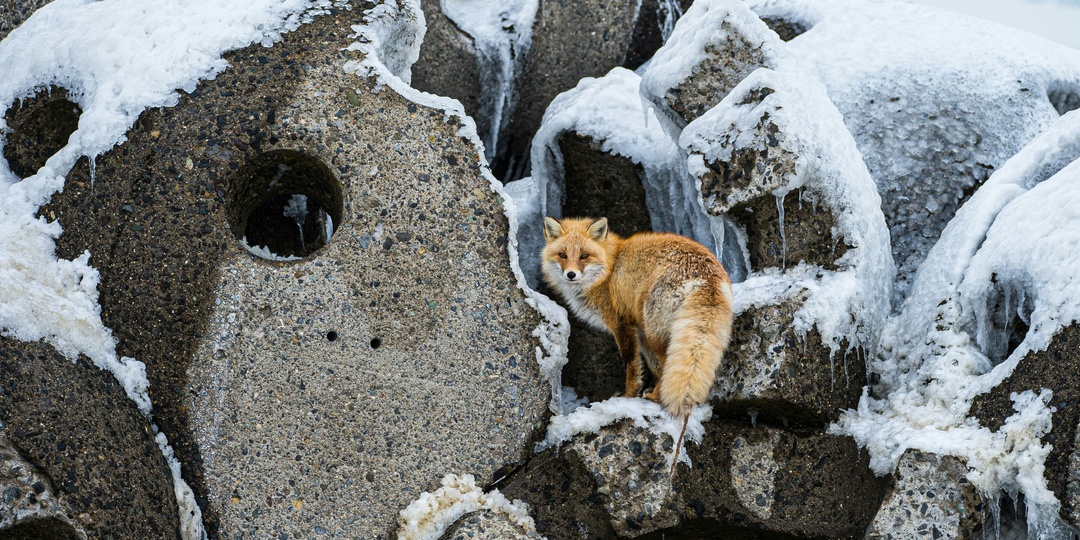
[[562, 497], [600, 184], [448, 63], [747, 481], [789, 482], [1054, 368], [572, 40], [39, 127], [75, 424]]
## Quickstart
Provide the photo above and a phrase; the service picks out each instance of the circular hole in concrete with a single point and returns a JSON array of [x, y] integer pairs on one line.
[[284, 205], [1064, 98], [39, 127], [376, 343], [331, 336]]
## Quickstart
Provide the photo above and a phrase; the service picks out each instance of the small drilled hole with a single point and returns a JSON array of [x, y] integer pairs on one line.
[[376, 343], [331, 336], [284, 205]]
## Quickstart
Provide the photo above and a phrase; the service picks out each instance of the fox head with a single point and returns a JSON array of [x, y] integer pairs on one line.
[[576, 253]]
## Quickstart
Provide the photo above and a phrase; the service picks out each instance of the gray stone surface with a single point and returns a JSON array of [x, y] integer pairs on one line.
[[485, 525], [930, 496], [781, 378], [1055, 369], [28, 502], [14, 12], [96, 469], [312, 396]]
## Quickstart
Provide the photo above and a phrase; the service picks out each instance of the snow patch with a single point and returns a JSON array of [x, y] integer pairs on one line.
[[428, 517], [643, 413]]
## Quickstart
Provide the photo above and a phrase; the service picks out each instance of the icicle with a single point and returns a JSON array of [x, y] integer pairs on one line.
[[753, 416], [667, 13], [93, 172], [297, 210], [783, 238]]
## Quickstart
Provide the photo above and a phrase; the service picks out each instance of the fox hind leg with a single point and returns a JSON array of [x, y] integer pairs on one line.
[[627, 340]]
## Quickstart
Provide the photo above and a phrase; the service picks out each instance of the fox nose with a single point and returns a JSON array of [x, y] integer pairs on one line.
[[571, 275]]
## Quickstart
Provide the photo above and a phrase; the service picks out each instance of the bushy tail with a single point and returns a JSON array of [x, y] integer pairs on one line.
[[699, 338]]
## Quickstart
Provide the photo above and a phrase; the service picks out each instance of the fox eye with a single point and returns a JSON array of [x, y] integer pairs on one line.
[[562, 255], [584, 256]]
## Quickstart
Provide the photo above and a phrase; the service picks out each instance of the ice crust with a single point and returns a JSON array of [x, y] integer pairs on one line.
[[849, 304], [502, 34], [935, 99], [641, 412], [428, 517], [1012, 245]]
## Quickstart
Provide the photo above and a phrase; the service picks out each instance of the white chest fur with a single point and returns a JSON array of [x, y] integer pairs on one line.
[[575, 298]]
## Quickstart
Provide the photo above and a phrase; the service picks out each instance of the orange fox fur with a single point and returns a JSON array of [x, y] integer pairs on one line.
[[664, 297]]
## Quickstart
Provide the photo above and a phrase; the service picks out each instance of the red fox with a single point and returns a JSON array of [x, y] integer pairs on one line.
[[664, 297]]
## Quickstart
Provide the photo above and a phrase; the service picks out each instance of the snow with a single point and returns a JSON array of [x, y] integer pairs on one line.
[[643, 413], [502, 34], [428, 517], [702, 27], [936, 100], [1013, 243]]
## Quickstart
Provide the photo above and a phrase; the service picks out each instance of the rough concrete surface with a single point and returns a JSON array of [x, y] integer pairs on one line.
[[781, 378], [485, 525], [28, 503], [320, 395], [75, 425], [929, 496]]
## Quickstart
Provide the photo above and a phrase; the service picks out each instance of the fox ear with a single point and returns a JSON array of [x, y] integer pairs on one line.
[[552, 229], [598, 230]]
